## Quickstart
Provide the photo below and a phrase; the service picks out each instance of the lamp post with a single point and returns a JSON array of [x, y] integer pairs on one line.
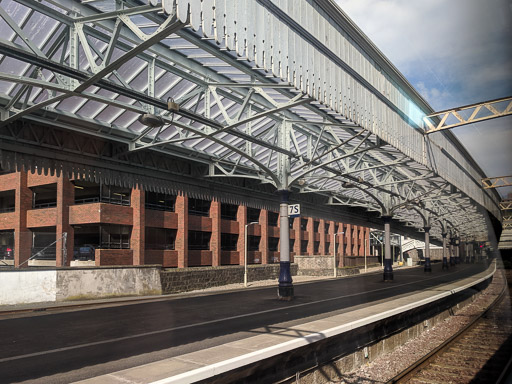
[[245, 249], [334, 256], [365, 249]]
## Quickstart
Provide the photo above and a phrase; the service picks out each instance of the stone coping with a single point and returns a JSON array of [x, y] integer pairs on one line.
[[45, 268]]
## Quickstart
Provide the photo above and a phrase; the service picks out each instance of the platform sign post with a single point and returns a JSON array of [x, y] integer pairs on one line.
[[293, 210]]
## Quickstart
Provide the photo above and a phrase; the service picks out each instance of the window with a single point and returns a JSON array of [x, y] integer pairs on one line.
[[115, 236], [327, 226], [7, 201], [292, 243], [290, 221], [44, 243], [304, 224], [316, 246], [228, 241], [160, 238], [87, 235], [44, 196], [253, 215], [160, 201], [114, 195], [253, 243], [303, 246], [272, 219], [316, 224], [198, 207], [228, 211], [86, 192], [273, 243], [199, 240]]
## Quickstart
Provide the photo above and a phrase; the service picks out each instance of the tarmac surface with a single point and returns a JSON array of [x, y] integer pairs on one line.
[[60, 344]]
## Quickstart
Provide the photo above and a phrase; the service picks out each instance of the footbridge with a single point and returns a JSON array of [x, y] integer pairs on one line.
[[235, 101]]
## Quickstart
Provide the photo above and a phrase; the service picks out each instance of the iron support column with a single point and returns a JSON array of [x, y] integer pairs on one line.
[[457, 250], [285, 288], [388, 261], [428, 267], [445, 259], [452, 257]]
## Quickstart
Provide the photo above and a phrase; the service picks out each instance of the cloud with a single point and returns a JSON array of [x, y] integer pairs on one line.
[[454, 53], [460, 48]]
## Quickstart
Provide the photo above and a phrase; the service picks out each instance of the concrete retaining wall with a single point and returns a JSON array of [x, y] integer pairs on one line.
[[189, 279], [88, 283], [29, 286], [43, 285], [323, 265]]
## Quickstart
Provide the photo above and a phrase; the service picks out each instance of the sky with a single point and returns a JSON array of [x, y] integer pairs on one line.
[[455, 53]]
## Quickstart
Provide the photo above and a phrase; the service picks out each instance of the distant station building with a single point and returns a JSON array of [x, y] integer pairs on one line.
[[53, 220]]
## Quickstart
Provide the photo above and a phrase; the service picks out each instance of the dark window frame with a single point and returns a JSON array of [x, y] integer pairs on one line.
[[229, 212], [160, 239], [199, 240], [228, 241], [273, 244], [199, 207]]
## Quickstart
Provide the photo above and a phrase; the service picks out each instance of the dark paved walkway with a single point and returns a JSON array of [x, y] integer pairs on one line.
[[71, 345]]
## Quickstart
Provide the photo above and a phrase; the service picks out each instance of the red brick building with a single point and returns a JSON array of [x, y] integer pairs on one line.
[[131, 227]]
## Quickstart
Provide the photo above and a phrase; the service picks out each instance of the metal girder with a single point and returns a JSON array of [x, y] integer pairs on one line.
[[496, 182], [249, 107], [505, 205], [468, 114]]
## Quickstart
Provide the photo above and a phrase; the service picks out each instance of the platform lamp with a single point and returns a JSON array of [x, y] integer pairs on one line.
[[152, 120], [245, 251], [334, 255]]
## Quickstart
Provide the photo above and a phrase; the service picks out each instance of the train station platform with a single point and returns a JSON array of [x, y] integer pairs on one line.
[[285, 345]]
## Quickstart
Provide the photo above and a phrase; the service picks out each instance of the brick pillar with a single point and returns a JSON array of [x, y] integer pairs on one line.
[[137, 240], [182, 233], [355, 248], [360, 237], [216, 231], [22, 236], [311, 236], [264, 236], [321, 230], [341, 245], [332, 231], [298, 233], [241, 218], [367, 241], [65, 198], [348, 237]]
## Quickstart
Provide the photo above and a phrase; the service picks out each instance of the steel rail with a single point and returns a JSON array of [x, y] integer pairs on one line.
[[426, 360]]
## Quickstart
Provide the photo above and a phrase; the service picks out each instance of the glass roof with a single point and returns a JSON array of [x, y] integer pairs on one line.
[[232, 114]]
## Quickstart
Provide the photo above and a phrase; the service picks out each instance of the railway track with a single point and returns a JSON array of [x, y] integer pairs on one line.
[[479, 353]]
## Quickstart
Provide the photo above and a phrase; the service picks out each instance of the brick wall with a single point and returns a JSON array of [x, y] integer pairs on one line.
[[166, 258], [37, 218], [22, 235], [8, 220], [137, 240], [100, 213], [113, 257], [188, 279], [67, 215]]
